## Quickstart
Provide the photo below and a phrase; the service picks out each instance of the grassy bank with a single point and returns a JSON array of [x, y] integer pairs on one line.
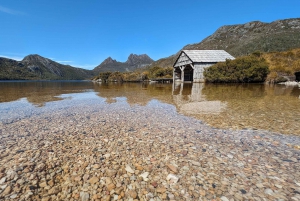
[[272, 67], [282, 64]]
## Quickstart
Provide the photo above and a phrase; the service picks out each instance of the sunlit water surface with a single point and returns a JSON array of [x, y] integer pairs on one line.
[[230, 106]]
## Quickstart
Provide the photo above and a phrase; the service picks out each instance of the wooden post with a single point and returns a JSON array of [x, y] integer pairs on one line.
[[181, 88], [193, 72], [173, 75], [182, 73]]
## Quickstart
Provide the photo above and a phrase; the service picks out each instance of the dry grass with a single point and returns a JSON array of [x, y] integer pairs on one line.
[[287, 62]]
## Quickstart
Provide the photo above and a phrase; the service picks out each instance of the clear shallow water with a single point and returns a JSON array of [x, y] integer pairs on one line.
[[235, 106]]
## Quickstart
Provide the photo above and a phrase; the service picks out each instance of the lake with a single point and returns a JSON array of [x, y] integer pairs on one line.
[[230, 106], [70, 140]]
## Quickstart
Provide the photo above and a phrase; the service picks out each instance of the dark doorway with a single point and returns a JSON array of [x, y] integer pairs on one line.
[[297, 74], [188, 73]]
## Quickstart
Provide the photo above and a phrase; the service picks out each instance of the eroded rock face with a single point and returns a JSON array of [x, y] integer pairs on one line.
[[158, 154]]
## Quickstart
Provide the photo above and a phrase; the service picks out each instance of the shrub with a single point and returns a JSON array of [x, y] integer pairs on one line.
[[132, 77], [159, 72], [136, 76], [144, 76], [104, 76], [115, 77], [243, 69], [257, 53]]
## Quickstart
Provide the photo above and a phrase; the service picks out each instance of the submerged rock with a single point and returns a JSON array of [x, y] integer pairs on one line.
[[115, 154]]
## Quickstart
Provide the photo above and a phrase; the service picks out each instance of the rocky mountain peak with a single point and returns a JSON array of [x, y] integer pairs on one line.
[[108, 60], [135, 59], [36, 67], [35, 58], [133, 62]]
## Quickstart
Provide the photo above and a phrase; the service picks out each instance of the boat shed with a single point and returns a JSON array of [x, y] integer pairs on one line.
[[190, 64]]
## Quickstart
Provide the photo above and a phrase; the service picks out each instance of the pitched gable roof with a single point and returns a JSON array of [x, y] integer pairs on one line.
[[201, 56], [208, 55]]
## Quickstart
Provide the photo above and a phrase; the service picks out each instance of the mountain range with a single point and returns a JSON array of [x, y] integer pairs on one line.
[[133, 62], [36, 67], [243, 39], [238, 40]]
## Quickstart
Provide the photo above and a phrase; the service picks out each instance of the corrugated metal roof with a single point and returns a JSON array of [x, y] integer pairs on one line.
[[208, 55]]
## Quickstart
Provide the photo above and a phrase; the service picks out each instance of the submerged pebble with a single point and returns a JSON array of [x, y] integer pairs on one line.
[[123, 152]]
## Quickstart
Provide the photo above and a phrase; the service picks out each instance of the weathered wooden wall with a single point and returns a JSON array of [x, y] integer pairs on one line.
[[182, 60], [198, 71]]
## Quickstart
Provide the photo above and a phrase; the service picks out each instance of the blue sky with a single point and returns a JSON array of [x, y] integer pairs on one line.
[[84, 33]]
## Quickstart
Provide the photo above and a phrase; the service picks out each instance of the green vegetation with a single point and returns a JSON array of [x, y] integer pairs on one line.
[[273, 67], [159, 72], [251, 68], [138, 75]]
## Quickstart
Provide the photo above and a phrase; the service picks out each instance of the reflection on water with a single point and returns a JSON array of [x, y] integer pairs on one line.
[[135, 93], [40, 92], [237, 106], [242, 106], [190, 100]]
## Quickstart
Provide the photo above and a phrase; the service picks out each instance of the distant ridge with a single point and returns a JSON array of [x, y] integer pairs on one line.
[[133, 62], [242, 39], [36, 67]]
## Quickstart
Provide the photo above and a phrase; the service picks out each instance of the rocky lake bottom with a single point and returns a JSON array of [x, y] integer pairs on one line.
[[88, 148]]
